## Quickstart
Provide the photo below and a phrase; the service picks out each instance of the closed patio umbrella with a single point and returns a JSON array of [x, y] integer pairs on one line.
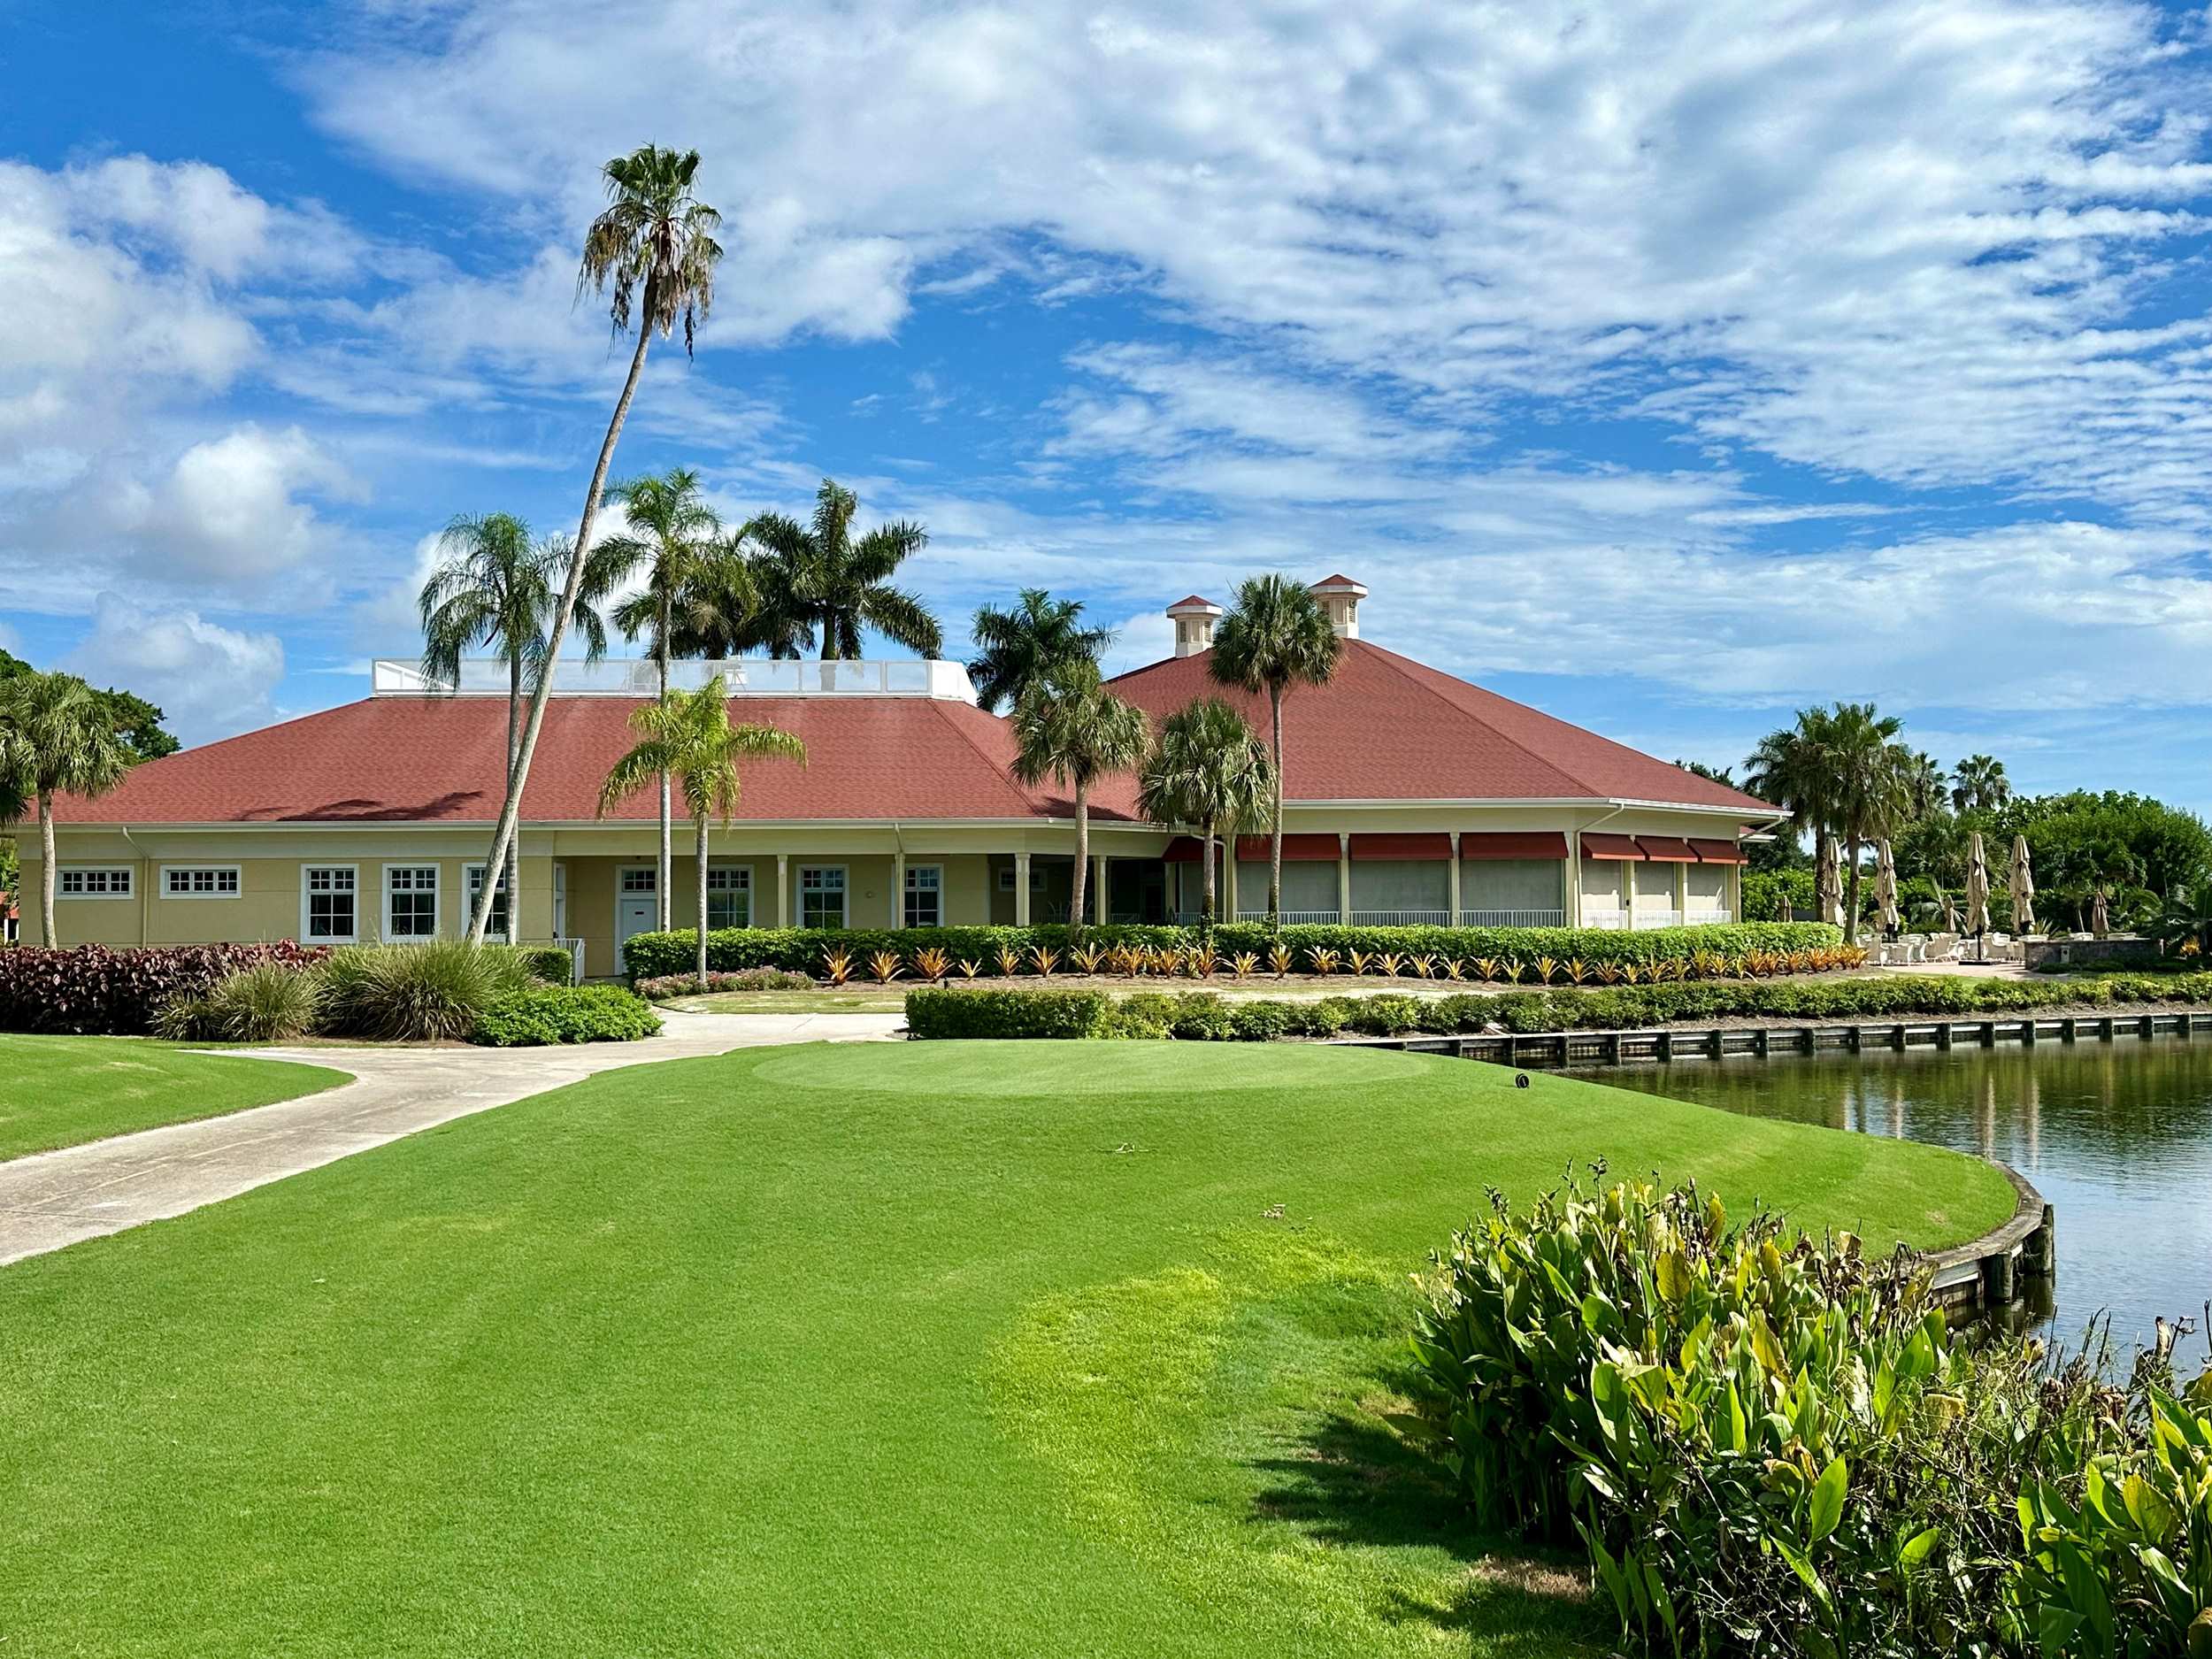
[[1977, 886], [2022, 886], [1830, 885], [1886, 887], [2100, 918]]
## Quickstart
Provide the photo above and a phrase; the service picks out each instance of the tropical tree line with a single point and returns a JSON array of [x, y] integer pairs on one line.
[[1849, 780]]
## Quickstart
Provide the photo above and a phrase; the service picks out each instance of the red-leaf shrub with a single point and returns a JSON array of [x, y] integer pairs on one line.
[[99, 991]]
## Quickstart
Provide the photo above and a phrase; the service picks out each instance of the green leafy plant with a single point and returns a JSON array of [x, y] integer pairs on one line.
[[417, 992], [270, 1001], [934, 1013], [542, 1015]]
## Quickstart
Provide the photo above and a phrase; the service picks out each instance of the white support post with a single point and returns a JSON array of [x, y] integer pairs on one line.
[[1098, 889], [1021, 889], [1453, 884], [1343, 878], [1681, 892], [898, 888], [1628, 894], [783, 889]]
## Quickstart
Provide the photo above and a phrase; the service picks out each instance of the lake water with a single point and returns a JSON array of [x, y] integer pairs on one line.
[[2116, 1136]]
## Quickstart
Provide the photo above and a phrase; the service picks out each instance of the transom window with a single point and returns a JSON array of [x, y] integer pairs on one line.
[[498, 922], [925, 895], [199, 881], [88, 883], [822, 895], [328, 912], [410, 901], [729, 895], [639, 881]]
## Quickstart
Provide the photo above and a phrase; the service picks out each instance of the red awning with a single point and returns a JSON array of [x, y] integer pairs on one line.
[[1512, 844], [1183, 849], [1667, 849], [1437, 845], [1297, 850], [1712, 852], [1602, 845]]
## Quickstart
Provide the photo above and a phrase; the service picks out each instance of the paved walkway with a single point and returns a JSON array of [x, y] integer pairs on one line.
[[53, 1199]]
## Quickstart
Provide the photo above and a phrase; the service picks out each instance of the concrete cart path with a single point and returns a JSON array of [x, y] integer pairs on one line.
[[53, 1199]]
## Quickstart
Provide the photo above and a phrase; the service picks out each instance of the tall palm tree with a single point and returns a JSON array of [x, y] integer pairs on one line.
[[689, 735], [833, 587], [654, 248], [1927, 786], [1209, 769], [1980, 785], [56, 738], [1016, 647], [1871, 778], [1788, 771], [494, 589], [1070, 729], [693, 587], [1275, 636]]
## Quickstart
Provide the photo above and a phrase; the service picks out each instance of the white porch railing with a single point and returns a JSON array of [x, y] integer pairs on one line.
[[575, 948], [1402, 918], [1294, 918], [1707, 919], [1512, 919], [1647, 918], [1611, 918], [1619, 920]]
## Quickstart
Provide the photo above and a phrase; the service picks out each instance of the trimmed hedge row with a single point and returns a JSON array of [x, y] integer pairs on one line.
[[93, 990], [731, 949], [546, 1014], [1203, 1016]]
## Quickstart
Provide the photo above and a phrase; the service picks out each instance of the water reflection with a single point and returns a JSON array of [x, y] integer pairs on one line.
[[2117, 1135]]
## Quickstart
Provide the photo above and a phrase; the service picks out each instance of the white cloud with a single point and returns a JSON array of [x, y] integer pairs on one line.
[[208, 681], [231, 510]]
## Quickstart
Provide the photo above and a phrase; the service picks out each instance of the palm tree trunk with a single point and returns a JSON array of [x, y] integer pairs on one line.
[[1206, 915], [514, 848], [1851, 892], [1082, 857], [503, 836], [702, 929], [1275, 840], [46, 867], [665, 878]]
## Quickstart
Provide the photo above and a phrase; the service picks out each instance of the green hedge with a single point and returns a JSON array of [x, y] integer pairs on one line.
[[546, 1014], [732, 950], [1203, 1016], [1050, 1014]]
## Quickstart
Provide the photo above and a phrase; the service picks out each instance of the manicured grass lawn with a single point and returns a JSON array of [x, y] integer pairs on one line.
[[63, 1091], [914, 1350]]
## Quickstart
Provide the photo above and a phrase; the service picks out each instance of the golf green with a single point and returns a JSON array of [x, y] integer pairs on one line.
[[1004, 1349]]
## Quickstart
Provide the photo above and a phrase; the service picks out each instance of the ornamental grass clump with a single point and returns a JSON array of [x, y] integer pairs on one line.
[[270, 1001], [416, 992], [1772, 1445]]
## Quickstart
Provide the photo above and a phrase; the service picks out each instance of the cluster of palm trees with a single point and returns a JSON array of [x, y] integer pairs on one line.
[[1843, 774], [57, 737]]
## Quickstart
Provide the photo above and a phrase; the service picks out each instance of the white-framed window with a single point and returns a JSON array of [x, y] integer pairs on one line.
[[497, 924], [729, 895], [1006, 877], [925, 895], [638, 878], [410, 900], [199, 881], [822, 895], [92, 882], [329, 904]]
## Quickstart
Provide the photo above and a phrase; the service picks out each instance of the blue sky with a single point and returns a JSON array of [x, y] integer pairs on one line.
[[1666, 366]]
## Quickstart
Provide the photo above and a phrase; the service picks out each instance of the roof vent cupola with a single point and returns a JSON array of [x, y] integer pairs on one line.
[[1194, 619], [1339, 596]]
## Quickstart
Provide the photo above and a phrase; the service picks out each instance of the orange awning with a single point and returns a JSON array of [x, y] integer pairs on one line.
[[1297, 850], [1713, 852], [1437, 845], [1597, 845], [1512, 844], [1667, 849]]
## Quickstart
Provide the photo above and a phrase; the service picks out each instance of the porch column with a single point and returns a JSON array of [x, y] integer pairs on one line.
[[783, 889], [1628, 892], [1453, 885], [1732, 886], [1570, 878], [1228, 879], [1343, 878], [1098, 887], [1682, 893], [898, 888], [1021, 889]]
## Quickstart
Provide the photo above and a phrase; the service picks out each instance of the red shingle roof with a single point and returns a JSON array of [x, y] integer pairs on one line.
[[441, 759], [1385, 727]]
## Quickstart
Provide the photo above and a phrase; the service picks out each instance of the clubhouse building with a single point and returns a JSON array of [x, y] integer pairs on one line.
[[1411, 796]]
